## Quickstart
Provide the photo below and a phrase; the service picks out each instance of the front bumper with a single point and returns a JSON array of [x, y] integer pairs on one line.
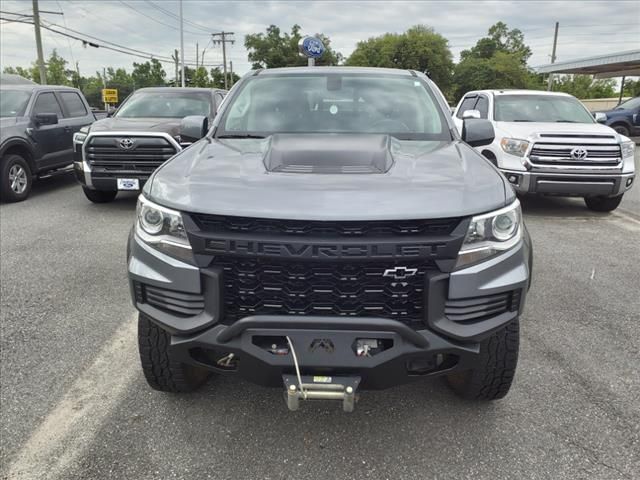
[[569, 183], [439, 346]]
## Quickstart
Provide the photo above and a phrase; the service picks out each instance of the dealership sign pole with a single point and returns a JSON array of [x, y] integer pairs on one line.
[[312, 48]]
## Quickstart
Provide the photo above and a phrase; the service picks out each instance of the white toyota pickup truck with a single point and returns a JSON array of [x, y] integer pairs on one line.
[[549, 143]]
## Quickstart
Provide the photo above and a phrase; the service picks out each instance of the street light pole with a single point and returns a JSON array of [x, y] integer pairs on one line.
[[36, 24], [181, 46]]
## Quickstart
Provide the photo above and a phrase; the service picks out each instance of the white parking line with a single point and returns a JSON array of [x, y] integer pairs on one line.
[[71, 426]]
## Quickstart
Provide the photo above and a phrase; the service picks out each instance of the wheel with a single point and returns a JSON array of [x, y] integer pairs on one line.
[[497, 361], [603, 204], [15, 184], [99, 196], [162, 371], [622, 129]]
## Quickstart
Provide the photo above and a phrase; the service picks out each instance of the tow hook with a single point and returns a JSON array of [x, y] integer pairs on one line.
[[320, 388]]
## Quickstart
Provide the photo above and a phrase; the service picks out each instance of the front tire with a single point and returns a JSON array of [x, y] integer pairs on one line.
[[100, 196], [16, 179], [497, 361], [161, 369], [603, 204]]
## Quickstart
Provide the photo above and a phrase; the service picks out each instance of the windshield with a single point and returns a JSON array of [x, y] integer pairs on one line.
[[335, 103], [166, 105], [13, 102], [630, 104], [540, 108]]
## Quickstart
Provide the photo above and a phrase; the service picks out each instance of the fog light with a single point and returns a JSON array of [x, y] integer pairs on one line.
[[513, 179], [629, 181]]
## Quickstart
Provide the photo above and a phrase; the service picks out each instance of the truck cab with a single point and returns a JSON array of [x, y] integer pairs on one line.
[[624, 119], [548, 143], [121, 151]]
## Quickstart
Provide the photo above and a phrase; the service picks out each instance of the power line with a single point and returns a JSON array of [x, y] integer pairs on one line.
[[88, 41], [176, 17], [158, 21]]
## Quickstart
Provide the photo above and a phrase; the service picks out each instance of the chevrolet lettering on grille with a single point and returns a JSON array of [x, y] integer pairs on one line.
[[324, 251]]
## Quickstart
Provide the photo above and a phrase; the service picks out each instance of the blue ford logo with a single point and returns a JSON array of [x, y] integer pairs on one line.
[[311, 47]]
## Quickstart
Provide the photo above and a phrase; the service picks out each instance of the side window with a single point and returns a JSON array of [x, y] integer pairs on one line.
[[219, 98], [74, 104], [483, 106], [47, 103], [467, 104]]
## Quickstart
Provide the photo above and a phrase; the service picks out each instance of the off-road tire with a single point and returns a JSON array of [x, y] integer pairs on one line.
[[100, 196], [491, 379], [603, 204], [162, 371], [6, 192]]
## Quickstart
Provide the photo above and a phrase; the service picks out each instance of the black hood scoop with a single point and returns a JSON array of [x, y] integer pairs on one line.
[[329, 153]]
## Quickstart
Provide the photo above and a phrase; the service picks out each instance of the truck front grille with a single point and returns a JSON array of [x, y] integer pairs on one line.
[[105, 153], [556, 150], [177, 303], [265, 286]]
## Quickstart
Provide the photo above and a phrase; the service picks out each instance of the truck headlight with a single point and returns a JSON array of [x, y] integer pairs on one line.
[[490, 234], [79, 137], [514, 146], [162, 229], [628, 149]]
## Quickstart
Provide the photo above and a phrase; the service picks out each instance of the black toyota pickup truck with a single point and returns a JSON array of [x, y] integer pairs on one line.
[[120, 152], [38, 123]]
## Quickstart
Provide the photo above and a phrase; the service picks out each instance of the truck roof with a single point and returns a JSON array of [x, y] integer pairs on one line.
[[307, 70], [178, 89], [507, 91], [35, 87]]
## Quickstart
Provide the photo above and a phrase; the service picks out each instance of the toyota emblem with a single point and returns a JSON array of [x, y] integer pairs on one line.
[[126, 143], [579, 153]]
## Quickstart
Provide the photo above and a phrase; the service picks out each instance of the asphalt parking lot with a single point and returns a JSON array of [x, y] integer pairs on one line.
[[75, 404]]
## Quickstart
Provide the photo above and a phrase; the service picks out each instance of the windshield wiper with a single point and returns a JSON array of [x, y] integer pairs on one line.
[[240, 135], [566, 121], [522, 120]]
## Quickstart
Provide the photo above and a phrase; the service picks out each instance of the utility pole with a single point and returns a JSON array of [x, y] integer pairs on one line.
[[197, 56], [181, 45], [36, 24], [104, 85], [231, 75], [553, 55], [223, 40], [176, 59], [78, 72]]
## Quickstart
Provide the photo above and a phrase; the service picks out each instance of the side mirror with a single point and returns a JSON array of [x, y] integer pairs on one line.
[[45, 119], [193, 128], [477, 132], [600, 117], [471, 114]]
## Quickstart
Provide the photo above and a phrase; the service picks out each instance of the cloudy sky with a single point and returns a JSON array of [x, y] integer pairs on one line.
[[586, 27]]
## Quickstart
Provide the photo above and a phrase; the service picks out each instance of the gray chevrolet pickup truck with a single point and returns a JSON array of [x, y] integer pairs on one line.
[[331, 232]]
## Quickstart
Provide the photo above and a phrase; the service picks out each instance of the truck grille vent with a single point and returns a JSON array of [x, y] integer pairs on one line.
[[263, 287], [469, 310], [146, 154], [177, 303], [601, 152], [323, 229]]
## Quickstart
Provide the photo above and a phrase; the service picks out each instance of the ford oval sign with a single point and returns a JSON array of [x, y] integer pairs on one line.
[[311, 47]]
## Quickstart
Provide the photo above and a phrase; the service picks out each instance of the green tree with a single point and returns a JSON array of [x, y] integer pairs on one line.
[[200, 78], [23, 72], [120, 80], [499, 39], [496, 61], [217, 78], [584, 86], [419, 48], [631, 88], [148, 74], [275, 49]]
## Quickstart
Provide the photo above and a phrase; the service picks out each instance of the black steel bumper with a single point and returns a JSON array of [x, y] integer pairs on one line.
[[411, 354]]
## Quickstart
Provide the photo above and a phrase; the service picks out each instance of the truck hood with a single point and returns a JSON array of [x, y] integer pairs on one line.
[[524, 130], [115, 124], [425, 180]]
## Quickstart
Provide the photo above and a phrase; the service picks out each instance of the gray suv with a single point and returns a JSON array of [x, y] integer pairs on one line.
[[332, 231]]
